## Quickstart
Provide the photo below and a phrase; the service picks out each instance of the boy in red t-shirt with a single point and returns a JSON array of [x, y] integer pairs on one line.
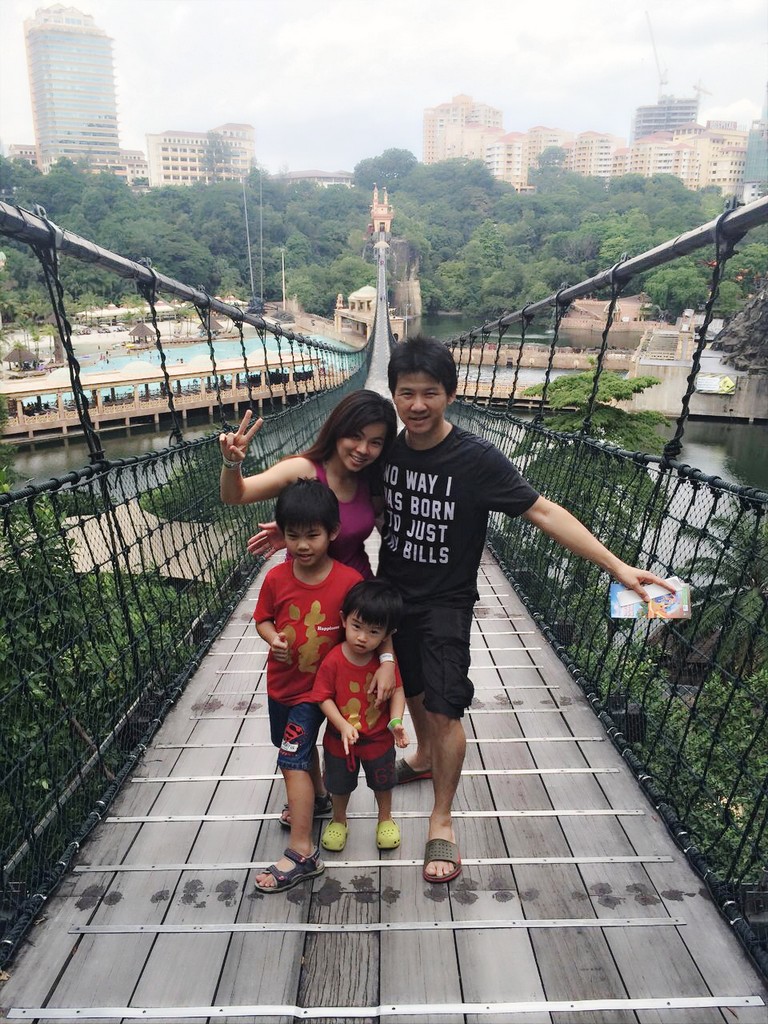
[[298, 614], [358, 730]]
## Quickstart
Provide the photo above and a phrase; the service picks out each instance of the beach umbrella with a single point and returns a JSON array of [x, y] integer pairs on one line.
[[19, 355]]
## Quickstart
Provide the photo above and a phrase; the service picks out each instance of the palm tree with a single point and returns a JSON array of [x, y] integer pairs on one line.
[[729, 572]]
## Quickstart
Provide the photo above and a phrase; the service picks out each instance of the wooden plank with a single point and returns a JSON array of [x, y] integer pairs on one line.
[[572, 963], [488, 893]]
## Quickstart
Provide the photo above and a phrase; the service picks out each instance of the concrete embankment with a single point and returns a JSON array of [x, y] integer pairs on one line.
[[748, 403]]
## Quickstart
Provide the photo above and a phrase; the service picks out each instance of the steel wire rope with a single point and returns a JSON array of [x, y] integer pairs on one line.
[[724, 249], [616, 290], [502, 330], [148, 291], [241, 337], [561, 308], [204, 313], [49, 260]]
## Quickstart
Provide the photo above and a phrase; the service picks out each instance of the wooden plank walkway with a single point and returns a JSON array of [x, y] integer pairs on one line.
[[574, 905]]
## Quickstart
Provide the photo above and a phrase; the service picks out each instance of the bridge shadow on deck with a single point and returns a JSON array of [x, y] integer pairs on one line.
[[573, 905]]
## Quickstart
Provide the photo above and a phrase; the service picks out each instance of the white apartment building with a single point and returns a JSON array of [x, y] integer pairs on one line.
[[227, 152], [541, 138], [446, 125], [592, 154], [507, 159]]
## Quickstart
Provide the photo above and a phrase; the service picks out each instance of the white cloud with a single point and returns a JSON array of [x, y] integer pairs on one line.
[[326, 85]]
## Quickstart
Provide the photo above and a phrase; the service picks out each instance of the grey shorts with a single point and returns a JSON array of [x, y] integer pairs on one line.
[[432, 648]]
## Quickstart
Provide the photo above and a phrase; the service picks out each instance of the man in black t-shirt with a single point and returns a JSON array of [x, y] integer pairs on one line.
[[441, 482]]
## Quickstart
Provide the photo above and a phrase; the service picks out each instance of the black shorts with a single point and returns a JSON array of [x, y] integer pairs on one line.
[[432, 648], [341, 776]]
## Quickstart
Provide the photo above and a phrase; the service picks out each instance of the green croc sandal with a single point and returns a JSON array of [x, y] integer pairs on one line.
[[334, 836], [387, 835]]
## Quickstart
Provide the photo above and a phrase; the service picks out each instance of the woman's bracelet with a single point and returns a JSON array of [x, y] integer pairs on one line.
[[386, 656], [229, 464], [394, 723]]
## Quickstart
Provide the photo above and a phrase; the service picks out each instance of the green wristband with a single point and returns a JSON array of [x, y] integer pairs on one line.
[[394, 723]]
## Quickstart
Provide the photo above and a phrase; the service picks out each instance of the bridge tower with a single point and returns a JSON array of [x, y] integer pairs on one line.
[[381, 213]]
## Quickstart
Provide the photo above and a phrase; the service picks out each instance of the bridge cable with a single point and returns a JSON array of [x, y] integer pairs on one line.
[[502, 330], [526, 319], [485, 332], [724, 249], [616, 290], [49, 260], [148, 291], [561, 308], [248, 383], [204, 312]]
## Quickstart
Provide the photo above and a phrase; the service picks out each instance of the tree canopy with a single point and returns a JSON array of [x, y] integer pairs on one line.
[[480, 247]]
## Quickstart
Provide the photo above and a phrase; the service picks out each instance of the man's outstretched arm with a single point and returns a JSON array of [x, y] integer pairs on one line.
[[566, 529]]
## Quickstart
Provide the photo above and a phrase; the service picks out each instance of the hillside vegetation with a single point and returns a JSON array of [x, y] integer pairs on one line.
[[480, 247]]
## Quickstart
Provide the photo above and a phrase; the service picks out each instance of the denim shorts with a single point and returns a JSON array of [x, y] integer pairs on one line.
[[432, 648], [293, 729]]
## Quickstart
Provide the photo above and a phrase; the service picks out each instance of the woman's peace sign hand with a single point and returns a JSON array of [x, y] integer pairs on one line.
[[235, 445]]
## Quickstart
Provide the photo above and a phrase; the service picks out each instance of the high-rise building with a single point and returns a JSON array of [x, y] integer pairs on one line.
[[459, 129], [665, 116], [72, 84], [756, 163]]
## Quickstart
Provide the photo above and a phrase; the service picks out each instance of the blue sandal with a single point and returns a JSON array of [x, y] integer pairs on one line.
[[305, 867]]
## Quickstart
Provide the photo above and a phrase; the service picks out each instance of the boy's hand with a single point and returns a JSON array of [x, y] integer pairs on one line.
[[280, 649], [401, 736], [235, 445], [383, 683], [268, 540], [349, 736]]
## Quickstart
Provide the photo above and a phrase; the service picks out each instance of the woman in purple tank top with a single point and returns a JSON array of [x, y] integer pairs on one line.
[[348, 455]]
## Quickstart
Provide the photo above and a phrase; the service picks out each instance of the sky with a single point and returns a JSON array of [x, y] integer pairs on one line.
[[327, 84]]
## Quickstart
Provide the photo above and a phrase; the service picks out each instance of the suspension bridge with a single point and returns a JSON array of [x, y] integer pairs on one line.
[[613, 807]]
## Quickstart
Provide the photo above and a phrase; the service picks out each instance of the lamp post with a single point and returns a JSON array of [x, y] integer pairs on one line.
[[282, 269]]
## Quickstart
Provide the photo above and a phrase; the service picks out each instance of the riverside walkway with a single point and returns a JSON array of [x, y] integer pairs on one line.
[[573, 905]]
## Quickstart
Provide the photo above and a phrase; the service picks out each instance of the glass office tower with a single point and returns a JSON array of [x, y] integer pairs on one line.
[[72, 84]]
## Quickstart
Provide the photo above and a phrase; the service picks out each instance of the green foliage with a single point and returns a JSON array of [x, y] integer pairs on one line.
[[569, 397], [7, 475], [481, 247], [390, 169], [712, 764], [729, 574]]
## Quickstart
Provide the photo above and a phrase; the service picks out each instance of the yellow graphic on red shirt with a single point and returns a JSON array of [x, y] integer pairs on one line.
[[373, 714], [351, 710], [309, 651]]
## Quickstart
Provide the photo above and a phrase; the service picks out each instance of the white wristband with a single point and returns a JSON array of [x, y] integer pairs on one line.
[[386, 657], [228, 464]]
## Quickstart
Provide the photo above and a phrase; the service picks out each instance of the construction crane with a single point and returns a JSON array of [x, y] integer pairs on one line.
[[662, 73]]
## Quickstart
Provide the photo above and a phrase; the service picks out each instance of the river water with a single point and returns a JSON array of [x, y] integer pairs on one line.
[[733, 451]]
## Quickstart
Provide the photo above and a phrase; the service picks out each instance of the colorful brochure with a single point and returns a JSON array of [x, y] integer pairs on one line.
[[663, 604]]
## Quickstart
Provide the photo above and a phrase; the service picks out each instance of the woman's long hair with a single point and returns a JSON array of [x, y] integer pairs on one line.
[[354, 412]]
